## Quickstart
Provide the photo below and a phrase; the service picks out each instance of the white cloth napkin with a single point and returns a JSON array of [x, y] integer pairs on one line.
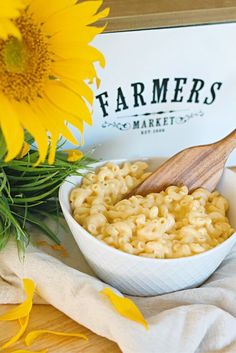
[[201, 320]]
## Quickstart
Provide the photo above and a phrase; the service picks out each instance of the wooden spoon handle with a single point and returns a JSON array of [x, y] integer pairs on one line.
[[199, 166], [228, 143]]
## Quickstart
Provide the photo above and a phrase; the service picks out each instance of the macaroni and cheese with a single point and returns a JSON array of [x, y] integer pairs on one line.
[[169, 224]]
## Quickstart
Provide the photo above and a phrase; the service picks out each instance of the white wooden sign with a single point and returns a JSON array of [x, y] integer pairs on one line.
[[164, 90]]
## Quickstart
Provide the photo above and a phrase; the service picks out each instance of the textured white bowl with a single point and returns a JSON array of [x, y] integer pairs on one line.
[[142, 276]]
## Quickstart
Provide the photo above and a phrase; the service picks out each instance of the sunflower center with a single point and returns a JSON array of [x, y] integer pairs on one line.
[[25, 65], [15, 56]]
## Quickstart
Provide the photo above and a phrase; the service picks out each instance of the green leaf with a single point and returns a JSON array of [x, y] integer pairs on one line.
[[28, 195]]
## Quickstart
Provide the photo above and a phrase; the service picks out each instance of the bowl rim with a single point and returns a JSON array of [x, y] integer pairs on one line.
[[63, 195]]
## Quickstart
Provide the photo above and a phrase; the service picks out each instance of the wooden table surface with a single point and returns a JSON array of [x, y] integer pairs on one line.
[[47, 317]]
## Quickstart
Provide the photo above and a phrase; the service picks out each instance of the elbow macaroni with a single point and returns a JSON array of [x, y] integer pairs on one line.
[[169, 224]]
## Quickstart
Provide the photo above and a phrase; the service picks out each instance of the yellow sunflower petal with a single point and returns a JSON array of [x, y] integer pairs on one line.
[[41, 116], [74, 155], [11, 128], [87, 9], [68, 101], [87, 54], [80, 88], [78, 123], [74, 69], [34, 126], [21, 312], [57, 115], [10, 8], [101, 15], [65, 36], [83, 14], [24, 151], [43, 9], [23, 309], [53, 147], [98, 82], [54, 120], [125, 307], [26, 351], [33, 335], [7, 28], [18, 335]]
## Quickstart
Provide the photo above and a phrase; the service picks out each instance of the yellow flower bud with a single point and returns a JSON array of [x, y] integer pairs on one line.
[[74, 155]]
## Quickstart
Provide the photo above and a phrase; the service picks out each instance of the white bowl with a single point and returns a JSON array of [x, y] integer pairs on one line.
[[142, 276]]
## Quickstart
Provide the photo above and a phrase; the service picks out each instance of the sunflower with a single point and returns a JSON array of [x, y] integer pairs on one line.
[[46, 64]]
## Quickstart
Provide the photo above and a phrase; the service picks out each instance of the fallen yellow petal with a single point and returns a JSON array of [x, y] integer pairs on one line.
[[74, 155], [25, 351], [60, 248], [42, 243], [125, 307], [23, 309], [33, 335], [15, 338], [57, 247], [21, 312]]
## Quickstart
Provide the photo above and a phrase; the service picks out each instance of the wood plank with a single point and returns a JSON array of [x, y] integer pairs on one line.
[[133, 14], [47, 317]]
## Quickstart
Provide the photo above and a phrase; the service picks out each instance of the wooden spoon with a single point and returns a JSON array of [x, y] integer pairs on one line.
[[199, 166]]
